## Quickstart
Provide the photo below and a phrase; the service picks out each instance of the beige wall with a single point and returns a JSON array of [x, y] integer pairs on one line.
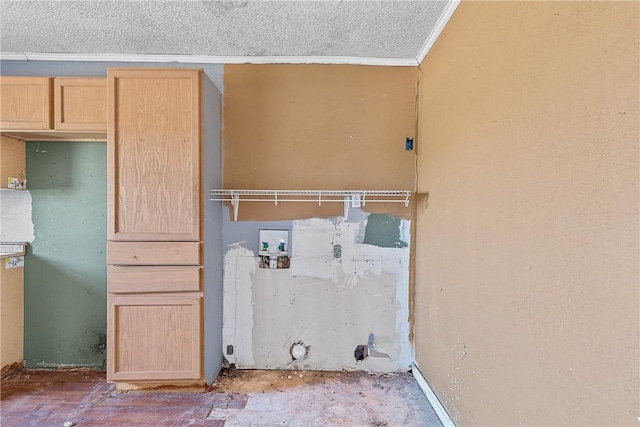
[[318, 127], [12, 160], [527, 250]]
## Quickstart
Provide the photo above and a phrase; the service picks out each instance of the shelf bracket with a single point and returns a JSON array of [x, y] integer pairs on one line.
[[235, 202]]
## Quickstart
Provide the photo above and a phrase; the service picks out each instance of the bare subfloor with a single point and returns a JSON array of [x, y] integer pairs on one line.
[[238, 398]]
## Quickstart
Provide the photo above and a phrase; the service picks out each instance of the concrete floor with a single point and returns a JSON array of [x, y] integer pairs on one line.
[[313, 398], [238, 398]]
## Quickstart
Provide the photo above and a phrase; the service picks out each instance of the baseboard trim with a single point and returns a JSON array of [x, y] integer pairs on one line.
[[445, 419]]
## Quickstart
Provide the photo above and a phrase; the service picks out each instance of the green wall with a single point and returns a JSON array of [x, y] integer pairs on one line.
[[384, 231], [65, 266]]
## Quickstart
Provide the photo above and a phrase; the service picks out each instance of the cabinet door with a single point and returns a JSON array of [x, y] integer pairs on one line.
[[154, 337], [153, 141], [80, 104], [25, 103]]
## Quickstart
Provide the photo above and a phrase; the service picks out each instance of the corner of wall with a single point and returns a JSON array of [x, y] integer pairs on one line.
[[212, 226]]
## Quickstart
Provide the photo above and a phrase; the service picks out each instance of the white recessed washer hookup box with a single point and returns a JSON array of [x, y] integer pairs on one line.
[[273, 242]]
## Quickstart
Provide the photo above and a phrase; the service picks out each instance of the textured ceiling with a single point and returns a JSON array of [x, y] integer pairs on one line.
[[361, 29]]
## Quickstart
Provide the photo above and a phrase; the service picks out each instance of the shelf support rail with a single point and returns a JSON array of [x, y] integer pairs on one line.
[[354, 198]]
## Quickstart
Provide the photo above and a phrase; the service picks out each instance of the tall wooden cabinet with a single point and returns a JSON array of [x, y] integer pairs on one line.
[[155, 295]]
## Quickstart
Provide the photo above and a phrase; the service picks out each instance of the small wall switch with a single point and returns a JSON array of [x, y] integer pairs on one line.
[[408, 144]]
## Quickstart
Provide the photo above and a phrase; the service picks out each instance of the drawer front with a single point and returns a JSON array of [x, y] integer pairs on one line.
[[131, 279], [153, 253]]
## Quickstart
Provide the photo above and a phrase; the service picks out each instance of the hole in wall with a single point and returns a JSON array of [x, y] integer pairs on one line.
[[299, 351], [361, 352], [337, 251]]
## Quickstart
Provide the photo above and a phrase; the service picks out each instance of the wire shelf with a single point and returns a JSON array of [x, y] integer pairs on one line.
[[355, 198]]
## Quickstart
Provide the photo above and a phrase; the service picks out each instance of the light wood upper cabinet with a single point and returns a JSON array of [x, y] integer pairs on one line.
[[154, 139], [25, 103], [53, 108], [80, 104], [153, 337]]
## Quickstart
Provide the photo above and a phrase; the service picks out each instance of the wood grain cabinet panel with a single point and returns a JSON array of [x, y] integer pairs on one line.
[[25, 103], [154, 141], [13, 161], [80, 104], [154, 337], [153, 253], [153, 279]]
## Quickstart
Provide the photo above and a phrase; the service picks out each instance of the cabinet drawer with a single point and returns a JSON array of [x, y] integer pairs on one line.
[[153, 253], [132, 279]]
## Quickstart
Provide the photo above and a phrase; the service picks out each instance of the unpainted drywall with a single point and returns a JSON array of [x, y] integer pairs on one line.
[[16, 223], [12, 160], [527, 245], [65, 266], [330, 304], [318, 127]]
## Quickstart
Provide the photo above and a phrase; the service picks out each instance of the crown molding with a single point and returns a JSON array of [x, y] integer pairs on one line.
[[437, 29], [203, 59], [13, 56]]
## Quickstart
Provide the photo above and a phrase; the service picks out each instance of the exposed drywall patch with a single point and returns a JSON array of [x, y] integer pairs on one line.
[[16, 224], [237, 326], [328, 303], [385, 231]]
